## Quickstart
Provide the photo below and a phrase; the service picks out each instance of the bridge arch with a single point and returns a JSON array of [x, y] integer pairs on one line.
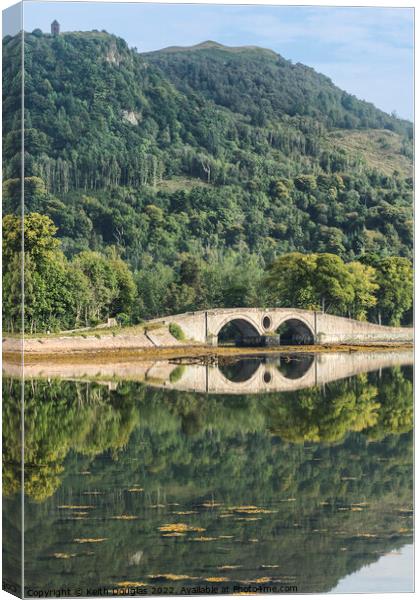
[[245, 380], [295, 367], [295, 331], [240, 370], [239, 326]]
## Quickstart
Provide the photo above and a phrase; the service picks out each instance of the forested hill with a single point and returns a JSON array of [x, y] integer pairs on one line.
[[112, 118], [264, 87], [232, 156]]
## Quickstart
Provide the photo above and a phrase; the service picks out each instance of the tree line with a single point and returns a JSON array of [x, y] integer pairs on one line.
[[65, 293], [59, 294]]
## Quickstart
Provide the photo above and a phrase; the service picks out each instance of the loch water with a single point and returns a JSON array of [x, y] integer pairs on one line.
[[292, 473]]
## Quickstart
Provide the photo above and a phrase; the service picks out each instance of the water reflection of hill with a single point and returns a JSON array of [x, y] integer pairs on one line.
[[328, 471]]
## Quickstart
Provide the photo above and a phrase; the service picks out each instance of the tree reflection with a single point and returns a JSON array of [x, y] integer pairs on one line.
[[59, 417], [325, 414], [91, 419]]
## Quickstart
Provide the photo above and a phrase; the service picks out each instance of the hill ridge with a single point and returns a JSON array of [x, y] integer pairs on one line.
[[212, 45]]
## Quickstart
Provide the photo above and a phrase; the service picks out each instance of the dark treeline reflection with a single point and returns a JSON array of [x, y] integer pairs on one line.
[[91, 419], [124, 485]]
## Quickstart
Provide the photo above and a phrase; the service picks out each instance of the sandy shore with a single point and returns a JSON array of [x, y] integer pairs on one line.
[[188, 353]]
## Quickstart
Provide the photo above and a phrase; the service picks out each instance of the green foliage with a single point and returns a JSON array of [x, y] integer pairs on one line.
[[322, 281], [38, 237], [123, 319], [395, 295], [366, 293], [59, 294], [177, 373], [266, 87], [86, 290], [176, 331]]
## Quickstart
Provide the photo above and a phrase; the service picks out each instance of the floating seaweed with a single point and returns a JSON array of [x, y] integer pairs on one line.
[[89, 540], [179, 528]]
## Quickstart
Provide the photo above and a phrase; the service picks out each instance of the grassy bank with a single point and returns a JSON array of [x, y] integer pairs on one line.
[[89, 332]]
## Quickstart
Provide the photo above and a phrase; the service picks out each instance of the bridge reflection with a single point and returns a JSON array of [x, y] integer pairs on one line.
[[278, 373], [295, 367], [292, 366], [244, 375], [241, 370]]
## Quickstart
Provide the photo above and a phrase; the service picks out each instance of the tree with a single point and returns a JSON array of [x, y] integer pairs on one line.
[[332, 283], [312, 281], [394, 276], [80, 287], [126, 286], [102, 282], [12, 293], [38, 237], [189, 270], [46, 300], [153, 281], [289, 281], [365, 287], [59, 294]]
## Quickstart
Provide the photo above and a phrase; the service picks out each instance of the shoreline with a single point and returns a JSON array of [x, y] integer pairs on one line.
[[204, 373], [190, 335], [190, 352]]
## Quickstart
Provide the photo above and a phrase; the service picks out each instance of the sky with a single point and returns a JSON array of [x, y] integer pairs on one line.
[[393, 572], [367, 51]]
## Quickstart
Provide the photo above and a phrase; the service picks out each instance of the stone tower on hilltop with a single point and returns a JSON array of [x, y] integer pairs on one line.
[[55, 28]]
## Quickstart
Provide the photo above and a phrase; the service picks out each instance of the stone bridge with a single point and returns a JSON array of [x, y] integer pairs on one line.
[[305, 326], [209, 326]]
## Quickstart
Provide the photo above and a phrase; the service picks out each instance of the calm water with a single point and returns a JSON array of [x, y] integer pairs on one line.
[[152, 485]]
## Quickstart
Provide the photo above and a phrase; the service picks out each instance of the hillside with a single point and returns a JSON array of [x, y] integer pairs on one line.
[[201, 162], [264, 87], [379, 149]]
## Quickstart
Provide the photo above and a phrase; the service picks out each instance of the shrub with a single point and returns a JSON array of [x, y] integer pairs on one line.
[[123, 319], [176, 331], [177, 373]]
